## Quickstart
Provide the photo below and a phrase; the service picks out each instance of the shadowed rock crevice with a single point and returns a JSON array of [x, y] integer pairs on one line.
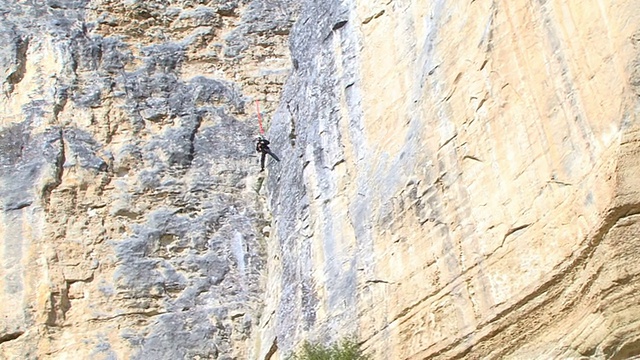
[[10, 336], [22, 45], [58, 146]]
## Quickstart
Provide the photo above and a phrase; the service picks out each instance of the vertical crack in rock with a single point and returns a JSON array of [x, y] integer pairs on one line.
[[292, 131], [272, 350], [192, 137], [55, 135], [15, 77], [635, 65]]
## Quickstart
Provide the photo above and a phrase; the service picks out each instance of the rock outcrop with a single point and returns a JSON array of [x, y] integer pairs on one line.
[[461, 180], [131, 227]]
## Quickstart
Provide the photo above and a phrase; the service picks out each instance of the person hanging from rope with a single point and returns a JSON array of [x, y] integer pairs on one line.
[[262, 146]]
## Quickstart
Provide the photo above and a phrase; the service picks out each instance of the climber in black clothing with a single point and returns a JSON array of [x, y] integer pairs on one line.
[[262, 146]]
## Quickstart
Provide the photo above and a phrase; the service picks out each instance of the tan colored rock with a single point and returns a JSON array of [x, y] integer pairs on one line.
[[469, 169], [458, 179], [126, 137]]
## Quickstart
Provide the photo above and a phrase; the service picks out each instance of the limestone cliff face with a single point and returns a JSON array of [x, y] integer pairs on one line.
[[130, 226], [460, 180]]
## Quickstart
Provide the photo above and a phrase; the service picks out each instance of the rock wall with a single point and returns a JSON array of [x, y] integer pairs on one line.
[[459, 180], [130, 224]]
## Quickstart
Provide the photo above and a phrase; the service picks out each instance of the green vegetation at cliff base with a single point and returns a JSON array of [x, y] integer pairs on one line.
[[346, 349]]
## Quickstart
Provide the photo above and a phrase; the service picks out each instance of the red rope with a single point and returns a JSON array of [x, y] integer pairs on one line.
[[259, 117]]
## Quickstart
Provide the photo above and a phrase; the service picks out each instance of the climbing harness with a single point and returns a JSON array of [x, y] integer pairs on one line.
[[262, 146]]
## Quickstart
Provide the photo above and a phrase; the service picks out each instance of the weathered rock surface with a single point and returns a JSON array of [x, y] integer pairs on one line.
[[461, 180], [130, 226]]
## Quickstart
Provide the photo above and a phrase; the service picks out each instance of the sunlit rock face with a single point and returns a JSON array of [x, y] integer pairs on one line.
[[130, 224], [459, 180]]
